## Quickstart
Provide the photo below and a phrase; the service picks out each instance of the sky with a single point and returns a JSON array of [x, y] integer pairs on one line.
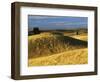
[[56, 22]]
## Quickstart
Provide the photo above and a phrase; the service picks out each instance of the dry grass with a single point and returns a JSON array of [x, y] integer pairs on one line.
[[81, 37], [57, 49], [78, 56]]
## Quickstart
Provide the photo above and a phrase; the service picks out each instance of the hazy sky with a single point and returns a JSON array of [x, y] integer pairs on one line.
[[56, 22]]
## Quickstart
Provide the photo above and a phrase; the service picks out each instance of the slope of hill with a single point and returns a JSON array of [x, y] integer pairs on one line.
[[78, 56], [47, 44]]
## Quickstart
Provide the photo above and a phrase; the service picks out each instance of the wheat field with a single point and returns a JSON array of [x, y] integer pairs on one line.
[[57, 49]]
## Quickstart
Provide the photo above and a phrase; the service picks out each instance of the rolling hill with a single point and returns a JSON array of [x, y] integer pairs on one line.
[[50, 43]]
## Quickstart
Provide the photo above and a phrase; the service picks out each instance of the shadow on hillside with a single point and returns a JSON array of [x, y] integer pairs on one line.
[[70, 40]]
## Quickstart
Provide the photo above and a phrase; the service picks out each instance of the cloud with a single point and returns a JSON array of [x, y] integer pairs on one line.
[[40, 17], [67, 23]]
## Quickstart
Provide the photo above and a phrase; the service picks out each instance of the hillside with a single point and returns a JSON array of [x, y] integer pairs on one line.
[[78, 56], [47, 44]]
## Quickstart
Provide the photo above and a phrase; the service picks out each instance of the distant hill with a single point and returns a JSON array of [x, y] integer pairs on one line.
[[31, 31], [67, 28]]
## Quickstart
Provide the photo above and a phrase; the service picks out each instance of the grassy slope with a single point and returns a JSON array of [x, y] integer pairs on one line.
[[84, 37], [78, 56], [56, 49], [45, 44]]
